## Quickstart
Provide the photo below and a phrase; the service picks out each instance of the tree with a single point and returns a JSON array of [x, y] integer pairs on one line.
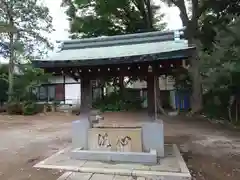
[[100, 17], [221, 69], [201, 12], [112, 17], [3, 83], [30, 20], [27, 80]]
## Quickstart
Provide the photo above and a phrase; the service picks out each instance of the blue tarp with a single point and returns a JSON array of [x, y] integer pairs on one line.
[[182, 100]]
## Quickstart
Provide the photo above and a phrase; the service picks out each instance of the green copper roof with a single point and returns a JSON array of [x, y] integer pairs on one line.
[[121, 46]]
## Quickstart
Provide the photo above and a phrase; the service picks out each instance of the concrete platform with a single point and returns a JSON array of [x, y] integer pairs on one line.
[[171, 167], [114, 156]]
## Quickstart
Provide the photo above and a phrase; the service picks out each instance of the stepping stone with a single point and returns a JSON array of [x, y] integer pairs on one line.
[[93, 176], [75, 176]]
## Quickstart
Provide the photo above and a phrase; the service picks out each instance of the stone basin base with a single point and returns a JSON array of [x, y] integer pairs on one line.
[[108, 156], [170, 167]]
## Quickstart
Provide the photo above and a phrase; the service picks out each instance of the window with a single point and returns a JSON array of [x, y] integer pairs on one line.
[[51, 92], [42, 93]]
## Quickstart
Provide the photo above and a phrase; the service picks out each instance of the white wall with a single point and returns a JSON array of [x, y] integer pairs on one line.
[[72, 91], [164, 84], [60, 79]]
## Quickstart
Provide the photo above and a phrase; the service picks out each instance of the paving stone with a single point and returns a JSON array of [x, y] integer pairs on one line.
[[64, 160], [80, 176], [102, 177], [117, 177], [65, 176], [141, 178]]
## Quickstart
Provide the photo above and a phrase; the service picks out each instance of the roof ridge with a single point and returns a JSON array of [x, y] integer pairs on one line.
[[118, 42], [121, 37], [129, 39]]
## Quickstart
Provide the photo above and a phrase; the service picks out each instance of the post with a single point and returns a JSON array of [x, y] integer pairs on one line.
[[121, 83], [86, 95], [150, 94], [156, 89]]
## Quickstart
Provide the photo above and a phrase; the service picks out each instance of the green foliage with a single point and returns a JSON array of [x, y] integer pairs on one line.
[[110, 17], [205, 16], [215, 103], [23, 98], [221, 72], [203, 22], [182, 79], [25, 108], [117, 101], [29, 108], [28, 79]]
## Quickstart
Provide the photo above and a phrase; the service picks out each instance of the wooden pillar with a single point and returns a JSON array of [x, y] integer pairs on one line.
[[86, 95], [157, 100], [121, 83], [150, 94]]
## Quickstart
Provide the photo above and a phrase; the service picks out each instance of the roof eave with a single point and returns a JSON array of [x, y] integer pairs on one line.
[[179, 54]]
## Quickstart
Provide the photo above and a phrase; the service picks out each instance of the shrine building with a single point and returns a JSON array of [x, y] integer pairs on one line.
[[80, 65]]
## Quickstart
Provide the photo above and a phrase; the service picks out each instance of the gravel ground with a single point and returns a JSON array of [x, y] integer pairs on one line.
[[211, 152]]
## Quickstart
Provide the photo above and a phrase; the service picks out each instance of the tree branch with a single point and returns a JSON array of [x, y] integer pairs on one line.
[[195, 10], [149, 14], [202, 8], [183, 11]]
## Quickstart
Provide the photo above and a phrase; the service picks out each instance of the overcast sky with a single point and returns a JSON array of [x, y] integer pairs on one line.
[[61, 24]]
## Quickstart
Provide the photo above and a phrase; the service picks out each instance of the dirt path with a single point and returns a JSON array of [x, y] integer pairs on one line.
[[27, 140], [211, 152]]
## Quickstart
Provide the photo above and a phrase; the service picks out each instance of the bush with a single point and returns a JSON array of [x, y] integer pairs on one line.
[[216, 103], [30, 108], [117, 101], [39, 108], [14, 108], [25, 108]]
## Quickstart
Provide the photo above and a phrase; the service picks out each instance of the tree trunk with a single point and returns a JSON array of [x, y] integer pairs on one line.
[[236, 111], [149, 14], [196, 100], [11, 67], [191, 33]]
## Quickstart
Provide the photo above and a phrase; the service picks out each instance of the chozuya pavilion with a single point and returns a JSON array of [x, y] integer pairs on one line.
[[134, 151]]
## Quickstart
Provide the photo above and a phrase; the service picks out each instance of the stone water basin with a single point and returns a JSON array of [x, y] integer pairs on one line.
[[134, 144]]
